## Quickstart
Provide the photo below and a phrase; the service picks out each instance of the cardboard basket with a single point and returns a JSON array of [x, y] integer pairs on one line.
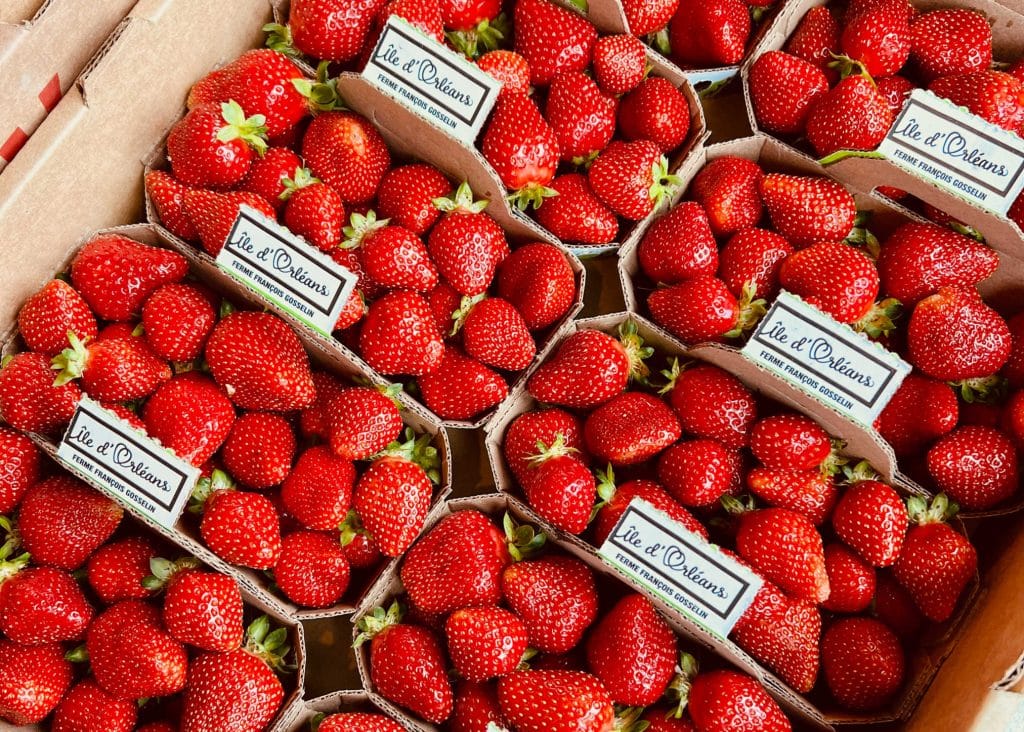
[[337, 702]]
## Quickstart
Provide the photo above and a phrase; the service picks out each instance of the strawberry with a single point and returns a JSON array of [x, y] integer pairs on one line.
[[132, 655], [896, 89], [811, 493], [189, 415], [994, 96], [485, 642], [314, 30], [267, 175], [560, 488], [851, 579], [790, 441], [362, 421], [729, 701], [663, 719], [864, 663], [28, 399], [555, 701], [679, 246], [259, 450], [728, 189], [508, 67], [237, 690], [46, 317], [630, 428], [853, 115], [808, 209], [462, 388], [632, 178], [816, 38], [313, 419], [976, 466], [260, 363], [313, 210], [318, 490], [358, 722], [393, 494], [644, 18], [407, 664], [632, 650], [588, 369], [871, 519], [213, 145], [111, 370], [836, 278], [696, 472], [539, 281], [858, 7], [203, 609], [553, 40], [703, 309], [615, 500], [87, 708], [894, 606], [476, 706], [918, 259], [19, 468], [953, 335], [407, 194], [115, 274], [1012, 418], [116, 570], [921, 411], [544, 426], [213, 214], [267, 83], [360, 548], [950, 41], [167, 196], [177, 318], [494, 333], [783, 90], [713, 403], [41, 605], [242, 528], [466, 244], [33, 680], [345, 151], [313, 570], [393, 257], [704, 34], [620, 61], [878, 38], [521, 146], [399, 335], [556, 599], [1013, 369], [581, 115], [576, 214]]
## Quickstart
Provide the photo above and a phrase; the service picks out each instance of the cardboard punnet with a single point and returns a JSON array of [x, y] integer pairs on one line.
[[1004, 290], [867, 173], [186, 531], [338, 702], [44, 44]]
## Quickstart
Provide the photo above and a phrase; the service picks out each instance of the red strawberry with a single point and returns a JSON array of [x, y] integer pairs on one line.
[[1012, 418], [632, 178], [581, 115], [461, 388], [539, 281], [508, 67], [314, 30], [212, 146], [853, 115], [808, 209], [790, 441], [493, 332], [1013, 369], [696, 472], [112, 370], [953, 335], [399, 335], [656, 110], [576, 214], [851, 579], [259, 449], [313, 210], [663, 719], [555, 701], [553, 40], [189, 415], [950, 41], [783, 89], [729, 701], [857, 7], [679, 246], [167, 196], [871, 519], [994, 96], [345, 151], [213, 214], [46, 317], [615, 500], [393, 257], [485, 642], [630, 428], [34, 678], [836, 278], [203, 609], [361, 421], [521, 146], [648, 17], [242, 528], [41, 605], [560, 488], [895, 89], [976, 466], [28, 399], [816, 38], [476, 706], [702, 309], [407, 195], [19, 468], [894, 606], [176, 319], [313, 570], [87, 708], [318, 491], [620, 60], [358, 722], [807, 492], [712, 403], [259, 361], [864, 663], [556, 599], [921, 411], [116, 570], [728, 189], [467, 245], [544, 426], [878, 38], [267, 175], [116, 274], [704, 34]]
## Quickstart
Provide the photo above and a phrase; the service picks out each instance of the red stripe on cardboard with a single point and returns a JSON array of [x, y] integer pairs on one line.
[[51, 93], [12, 144]]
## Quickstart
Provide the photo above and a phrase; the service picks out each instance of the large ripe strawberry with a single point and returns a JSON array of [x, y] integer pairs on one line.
[[679, 246], [994, 96], [555, 701], [812, 493], [851, 579], [168, 196], [711, 402], [630, 428], [345, 151], [878, 38], [522, 147], [790, 441], [87, 708], [730, 701], [313, 570], [656, 110], [214, 144], [646, 17], [392, 256], [33, 680], [539, 281], [863, 663], [581, 115], [476, 706], [950, 41], [838, 279], [241, 528], [19, 468], [544, 426], [559, 487], [267, 175], [728, 189], [314, 27], [116, 570], [46, 317], [461, 388], [783, 90], [213, 214], [620, 61], [615, 499], [313, 210], [40, 605], [872, 519], [816, 38], [176, 319], [921, 411], [358, 722], [111, 370], [407, 194], [894, 606], [407, 664], [976, 466], [632, 650], [702, 309], [705, 34], [203, 609], [953, 335], [696, 472], [28, 399], [466, 244], [361, 421], [494, 333], [576, 214], [853, 115], [189, 415], [632, 178], [313, 419], [318, 491], [484, 642], [116, 274], [399, 335], [808, 209], [508, 67], [237, 690], [553, 40], [556, 599], [260, 363]]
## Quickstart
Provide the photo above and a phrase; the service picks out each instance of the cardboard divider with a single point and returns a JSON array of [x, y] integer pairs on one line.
[[337, 702], [865, 174], [186, 531]]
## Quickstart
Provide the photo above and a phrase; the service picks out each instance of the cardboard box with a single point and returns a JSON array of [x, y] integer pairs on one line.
[[339, 701], [44, 45]]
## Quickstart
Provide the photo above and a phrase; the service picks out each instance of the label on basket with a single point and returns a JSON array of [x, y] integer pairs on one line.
[[286, 270], [826, 359], [431, 80], [953, 149], [121, 461], [680, 567]]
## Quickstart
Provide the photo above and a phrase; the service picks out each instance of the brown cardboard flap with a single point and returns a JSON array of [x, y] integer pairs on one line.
[[336, 702]]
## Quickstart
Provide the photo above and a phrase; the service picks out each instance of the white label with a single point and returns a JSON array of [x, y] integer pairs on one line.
[[286, 270], [826, 359], [711, 77], [125, 463], [953, 149], [680, 567], [431, 80]]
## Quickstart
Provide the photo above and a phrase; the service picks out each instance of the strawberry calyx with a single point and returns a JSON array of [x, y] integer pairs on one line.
[[376, 621], [461, 199], [836, 461], [322, 93], [627, 719], [860, 236], [678, 691], [531, 195], [164, 571], [528, 655], [672, 375], [557, 448], [418, 450], [268, 645], [605, 487], [584, 161], [751, 309], [664, 183], [847, 66], [70, 363], [879, 320], [350, 528], [982, 389], [218, 480], [279, 38], [486, 35], [738, 506], [940, 511], [523, 541], [465, 306], [858, 473], [967, 230], [78, 654], [636, 351], [251, 130], [360, 228], [10, 565], [758, 13], [302, 178], [659, 40]]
